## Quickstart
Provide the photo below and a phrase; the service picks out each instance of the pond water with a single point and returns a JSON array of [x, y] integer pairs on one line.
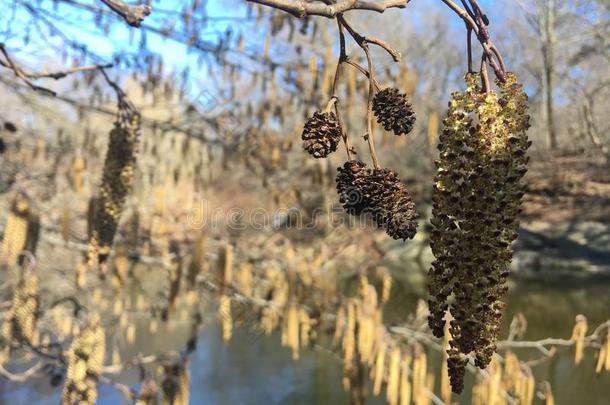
[[257, 370]]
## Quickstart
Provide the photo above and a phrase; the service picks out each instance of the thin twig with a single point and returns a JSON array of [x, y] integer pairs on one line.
[[362, 70], [369, 111], [342, 58], [485, 75], [23, 376]]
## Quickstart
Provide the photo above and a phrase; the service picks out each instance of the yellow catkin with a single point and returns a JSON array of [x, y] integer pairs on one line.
[[117, 308], [78, 178], [548, 394], [20, 324], [579, 332], [405, 384], [121, 267], [409, 78], [367, 321], [16, 230], [160, 200], [80, 274], [116, 357], [427, 400], [340, 323], [512, 371], [432, 127], [603, 356], [305, 325], [225, 264], [386, 286], [349, 337], [494, 396], [420, 368], [526, 394], [185, 386], [130, 334], [224, 312], [153, 326], [291, 330], [379, 368], [607, 361], [245, 279], [85, 361], [393, 386]]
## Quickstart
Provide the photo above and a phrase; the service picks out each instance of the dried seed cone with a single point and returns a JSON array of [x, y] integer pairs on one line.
[[322, 134], [391, 204], [394, 111], [119, 167], [402, 223], [351, 181], [476, 199]]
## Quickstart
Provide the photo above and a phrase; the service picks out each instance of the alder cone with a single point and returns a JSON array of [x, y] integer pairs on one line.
[[321, 134], [391, 204], [402, 223], [351, 181], [394, 111]]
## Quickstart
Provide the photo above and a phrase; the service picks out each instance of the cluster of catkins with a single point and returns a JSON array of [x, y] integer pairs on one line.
[[117, 177], [476, 199], [362, 190]]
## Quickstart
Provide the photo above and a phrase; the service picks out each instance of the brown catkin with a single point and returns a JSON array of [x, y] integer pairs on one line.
[[476, 201], [119, 167]]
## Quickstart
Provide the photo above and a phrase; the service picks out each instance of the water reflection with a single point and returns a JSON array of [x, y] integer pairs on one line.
[[255, 371]]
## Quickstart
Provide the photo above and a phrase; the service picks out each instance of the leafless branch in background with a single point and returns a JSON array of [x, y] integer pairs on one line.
[[132, 14]]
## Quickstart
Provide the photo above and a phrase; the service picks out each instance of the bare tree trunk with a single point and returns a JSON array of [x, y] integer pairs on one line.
[[591, 129], [548, 60]]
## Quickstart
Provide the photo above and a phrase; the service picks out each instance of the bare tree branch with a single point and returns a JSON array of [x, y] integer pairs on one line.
[[133, 15], [301, 8], [21, 377], [25, 76], [19, 73]]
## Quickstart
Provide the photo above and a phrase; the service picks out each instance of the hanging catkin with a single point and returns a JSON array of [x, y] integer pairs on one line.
[[117, 177], [476, 199], [20, 323], [21, 231], [85, 361], [175, 386]]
